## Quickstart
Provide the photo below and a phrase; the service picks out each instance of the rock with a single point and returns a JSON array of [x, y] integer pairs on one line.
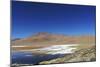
[[82, 55]]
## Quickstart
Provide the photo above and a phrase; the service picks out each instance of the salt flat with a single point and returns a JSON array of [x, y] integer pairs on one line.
[[54, 49]]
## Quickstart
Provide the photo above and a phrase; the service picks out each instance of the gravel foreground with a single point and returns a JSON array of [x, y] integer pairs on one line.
[[82, 55]]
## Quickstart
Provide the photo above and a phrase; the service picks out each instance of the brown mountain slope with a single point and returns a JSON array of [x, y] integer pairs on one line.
[[43, 39]]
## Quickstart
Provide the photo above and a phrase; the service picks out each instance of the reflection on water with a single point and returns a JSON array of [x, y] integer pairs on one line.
[[29, 58]]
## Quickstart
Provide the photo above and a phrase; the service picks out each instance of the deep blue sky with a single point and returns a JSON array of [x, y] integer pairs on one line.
[[29, 18]]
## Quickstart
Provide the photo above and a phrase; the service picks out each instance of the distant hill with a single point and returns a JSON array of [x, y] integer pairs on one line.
[[15, 39], [44, 38]]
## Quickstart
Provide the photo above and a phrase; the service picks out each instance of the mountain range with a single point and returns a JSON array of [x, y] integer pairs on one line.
[[43, 39]]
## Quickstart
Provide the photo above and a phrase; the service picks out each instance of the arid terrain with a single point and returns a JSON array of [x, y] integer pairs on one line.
[[44, 39], [74, 48], [82, 55]]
